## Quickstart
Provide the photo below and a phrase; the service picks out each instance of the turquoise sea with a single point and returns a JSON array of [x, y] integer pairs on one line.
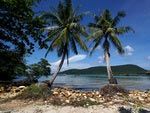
[[95, 82]]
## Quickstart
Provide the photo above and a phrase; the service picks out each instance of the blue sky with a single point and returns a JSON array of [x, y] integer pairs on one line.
[[136, 44]]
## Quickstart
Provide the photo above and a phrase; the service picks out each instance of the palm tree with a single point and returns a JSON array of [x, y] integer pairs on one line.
[[105, 31], [64, 33]]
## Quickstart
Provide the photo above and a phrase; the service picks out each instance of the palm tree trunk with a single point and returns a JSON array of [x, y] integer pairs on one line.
[[50, 83], [111, 79]]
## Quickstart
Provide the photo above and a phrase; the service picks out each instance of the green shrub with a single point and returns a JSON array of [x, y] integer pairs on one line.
[[35, 91]]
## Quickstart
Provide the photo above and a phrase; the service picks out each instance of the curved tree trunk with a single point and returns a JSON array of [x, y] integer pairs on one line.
[[111, 79], [50, 83]]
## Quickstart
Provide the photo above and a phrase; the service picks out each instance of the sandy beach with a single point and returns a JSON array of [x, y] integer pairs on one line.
[[72, 101], [65, 109]]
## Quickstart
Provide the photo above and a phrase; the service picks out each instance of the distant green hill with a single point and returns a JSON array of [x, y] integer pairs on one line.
[[122, 69]]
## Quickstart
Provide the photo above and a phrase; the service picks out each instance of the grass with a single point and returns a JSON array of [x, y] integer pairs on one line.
[[35, 92]]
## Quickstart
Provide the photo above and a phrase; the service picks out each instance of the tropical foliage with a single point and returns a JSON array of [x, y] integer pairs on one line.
[[42, 68], [105, 31], [20, 28], [19, 25], [64, 32]]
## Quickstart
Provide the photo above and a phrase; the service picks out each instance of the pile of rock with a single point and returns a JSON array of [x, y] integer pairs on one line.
[[79, 98], [140, 96], [10, 92]]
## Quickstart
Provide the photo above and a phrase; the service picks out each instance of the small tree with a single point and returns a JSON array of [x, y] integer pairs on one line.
[[39, 69]]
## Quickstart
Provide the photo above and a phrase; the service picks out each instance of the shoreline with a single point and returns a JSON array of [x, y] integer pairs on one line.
[[64, 98]]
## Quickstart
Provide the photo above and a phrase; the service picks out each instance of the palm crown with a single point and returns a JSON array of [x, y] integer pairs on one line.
[[105, 29], [66, 29]]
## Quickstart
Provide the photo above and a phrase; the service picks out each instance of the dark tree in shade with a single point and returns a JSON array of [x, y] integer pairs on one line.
[[20, 28]]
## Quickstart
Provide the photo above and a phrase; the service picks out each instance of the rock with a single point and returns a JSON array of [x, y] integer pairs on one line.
[[97, 93], [92, 99], [1, 89], [55, 93], [85, 97], [99, 96], [141, 99], [84, 94], [101, 101], [67, 101], [21, 87], [131, 103], [69, 93], [117, 101], [17, 90], [8, 89]]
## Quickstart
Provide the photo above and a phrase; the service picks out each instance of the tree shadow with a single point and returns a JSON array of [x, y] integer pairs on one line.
[[124, 110], [143, 111]]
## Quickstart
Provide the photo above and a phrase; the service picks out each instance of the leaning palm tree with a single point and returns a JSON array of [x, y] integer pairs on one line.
[[105, 31], [64, 33]]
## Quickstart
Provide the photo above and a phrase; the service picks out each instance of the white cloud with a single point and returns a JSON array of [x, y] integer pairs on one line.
[[74, 59], [100, 59], [76, 65], [128, 50], [148, 58]]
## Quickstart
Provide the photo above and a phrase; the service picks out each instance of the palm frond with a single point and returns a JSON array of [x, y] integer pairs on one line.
[[82, 30], [107, 15], [69, 31], [116, 42], [123, 30], [52, 34], [73, 45], [52, 17], [69, 9], [60, 39], [97, 42], [60, 9], [80, 42], [92, 25], [96, 34], [60, 50], [48, 50], [120, 15]]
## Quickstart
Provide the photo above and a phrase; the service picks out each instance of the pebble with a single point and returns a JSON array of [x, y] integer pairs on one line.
[[92, 99], [67, 101]]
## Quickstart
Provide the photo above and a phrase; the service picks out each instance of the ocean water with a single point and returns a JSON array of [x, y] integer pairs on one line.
[[95, 82]]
